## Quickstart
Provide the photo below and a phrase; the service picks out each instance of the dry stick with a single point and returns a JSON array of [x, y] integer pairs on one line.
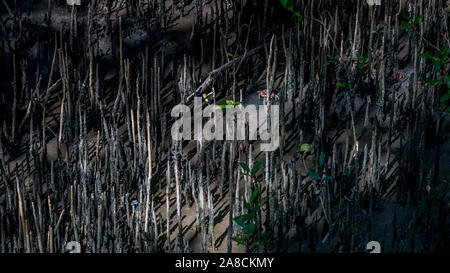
[[72, 214], [283, 207], [194, 194], [155, 228], [137, 220], [213, 74], [168, 192], [133, 134], [269, 86], [330, 231], [22, 221], [13, 123], [138, 120], [126, 100], [201, 200], [268, 184], [91, 57], [177, 189], [99, 228], [2, 233], [222, 169], [230, 188], [59, 220], [149, 155], [210, 205], [41, 249], [271, 68], [50, 240], [284, 92]]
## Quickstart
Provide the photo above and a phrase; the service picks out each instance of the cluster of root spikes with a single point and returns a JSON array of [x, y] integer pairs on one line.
[[86, 152]]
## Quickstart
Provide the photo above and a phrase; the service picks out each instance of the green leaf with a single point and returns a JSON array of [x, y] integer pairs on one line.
[[240, 222], [44, 24], [244, 217], [298, 15], [238, 240], [361, 58], [314, 175], [406, 25], [251, 230], [432, 83], [437, 66], [259, 178], [248, 206], [205, 97], [244, 166], [304, 148], [229, 102], [331, 60], [321, 159], [222, 106], [230, 54], [426, 55], [328, 178], [254, 194], [446, 80], [340, 84], [288, 4], [444, 51], [257, 166], [418, 19], [256, 243], [429, 56], [262, 201], [405, 16], [445, 97]]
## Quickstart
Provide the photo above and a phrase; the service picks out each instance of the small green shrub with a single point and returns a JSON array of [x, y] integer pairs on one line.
[[289, 5], [248, 222]]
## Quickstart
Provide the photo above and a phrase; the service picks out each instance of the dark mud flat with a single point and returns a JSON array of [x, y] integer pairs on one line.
[[86, 152]]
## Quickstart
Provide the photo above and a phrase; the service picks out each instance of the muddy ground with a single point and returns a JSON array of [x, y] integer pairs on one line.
[[391, 186]]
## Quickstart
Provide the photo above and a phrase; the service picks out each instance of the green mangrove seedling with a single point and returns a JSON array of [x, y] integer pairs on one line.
[[248, 222]]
